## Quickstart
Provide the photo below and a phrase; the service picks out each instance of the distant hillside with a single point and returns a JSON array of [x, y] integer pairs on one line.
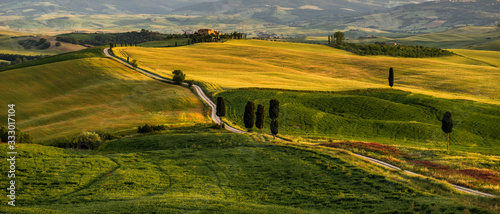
[[281, 12], [32, 7], [430, 16]]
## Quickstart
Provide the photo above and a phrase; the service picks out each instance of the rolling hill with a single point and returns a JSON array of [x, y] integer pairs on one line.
[[232, 65], [431, 16], [63, 99]]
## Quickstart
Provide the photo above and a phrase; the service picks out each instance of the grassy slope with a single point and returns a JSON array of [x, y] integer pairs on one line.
[[212, 172], [392, 117], [466, 37], [411, 122], [238, 64], [65, 98], [494, 46]]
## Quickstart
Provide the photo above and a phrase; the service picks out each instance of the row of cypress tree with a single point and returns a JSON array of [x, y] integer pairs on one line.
[[251, 117]]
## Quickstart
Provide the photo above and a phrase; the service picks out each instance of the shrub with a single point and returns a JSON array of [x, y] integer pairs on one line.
[[88, 140], [134, 63], [150, 128], [179, 76]]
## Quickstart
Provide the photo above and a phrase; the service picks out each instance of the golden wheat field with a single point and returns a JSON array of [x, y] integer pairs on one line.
[[471, 75]]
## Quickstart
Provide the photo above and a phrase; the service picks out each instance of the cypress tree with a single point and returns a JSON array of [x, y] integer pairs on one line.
[[274, 109], [249, 116], [274, 128], [447, 126], [220, 109], [259, 122], [391, 77]]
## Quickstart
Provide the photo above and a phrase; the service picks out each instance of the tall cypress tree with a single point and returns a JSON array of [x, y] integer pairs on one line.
[[249, 115], [447, 126], [391, 77], [274, 128], [274, 109], [259, 122], [274, 112], [220, 109]]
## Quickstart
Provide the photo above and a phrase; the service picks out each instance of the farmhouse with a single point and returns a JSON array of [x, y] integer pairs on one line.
[[208, 32]]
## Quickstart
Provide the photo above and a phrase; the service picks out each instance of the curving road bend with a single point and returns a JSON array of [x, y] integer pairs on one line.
[[217, 120]]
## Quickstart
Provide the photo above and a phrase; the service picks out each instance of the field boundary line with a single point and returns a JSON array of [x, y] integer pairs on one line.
[[217, 120]]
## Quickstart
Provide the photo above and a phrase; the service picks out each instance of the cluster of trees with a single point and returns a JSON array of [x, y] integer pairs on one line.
[[393, 50], [336, 39], [150, 128], [197, 38], [252, 118], [42, 44], [16, 59]]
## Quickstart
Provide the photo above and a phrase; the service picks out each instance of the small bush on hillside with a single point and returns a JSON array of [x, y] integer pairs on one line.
[[179, 76], [134, 63], [88, 140], [150, 128]]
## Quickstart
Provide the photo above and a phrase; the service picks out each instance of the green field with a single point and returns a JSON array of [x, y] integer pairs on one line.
[[193, 168], [411, 122], [471, 37], [65, 98], [207, 171], [252, 63], [9, 45], [388, 116], [165, 43]]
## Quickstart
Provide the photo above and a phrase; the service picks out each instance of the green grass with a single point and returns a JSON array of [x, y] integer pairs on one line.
[[252, 63], [165, 43], [386, 116], [493, 46], [9, 45], [466, 37], [85, 53], [205, 171], [65, 98]]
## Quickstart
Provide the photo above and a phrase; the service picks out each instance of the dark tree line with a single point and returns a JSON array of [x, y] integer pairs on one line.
[[394, 50], [133, 38], [122, 39], [16, 59], [198, 38]]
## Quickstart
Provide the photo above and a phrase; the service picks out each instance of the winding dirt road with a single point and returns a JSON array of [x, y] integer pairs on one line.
[[217, 120]]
